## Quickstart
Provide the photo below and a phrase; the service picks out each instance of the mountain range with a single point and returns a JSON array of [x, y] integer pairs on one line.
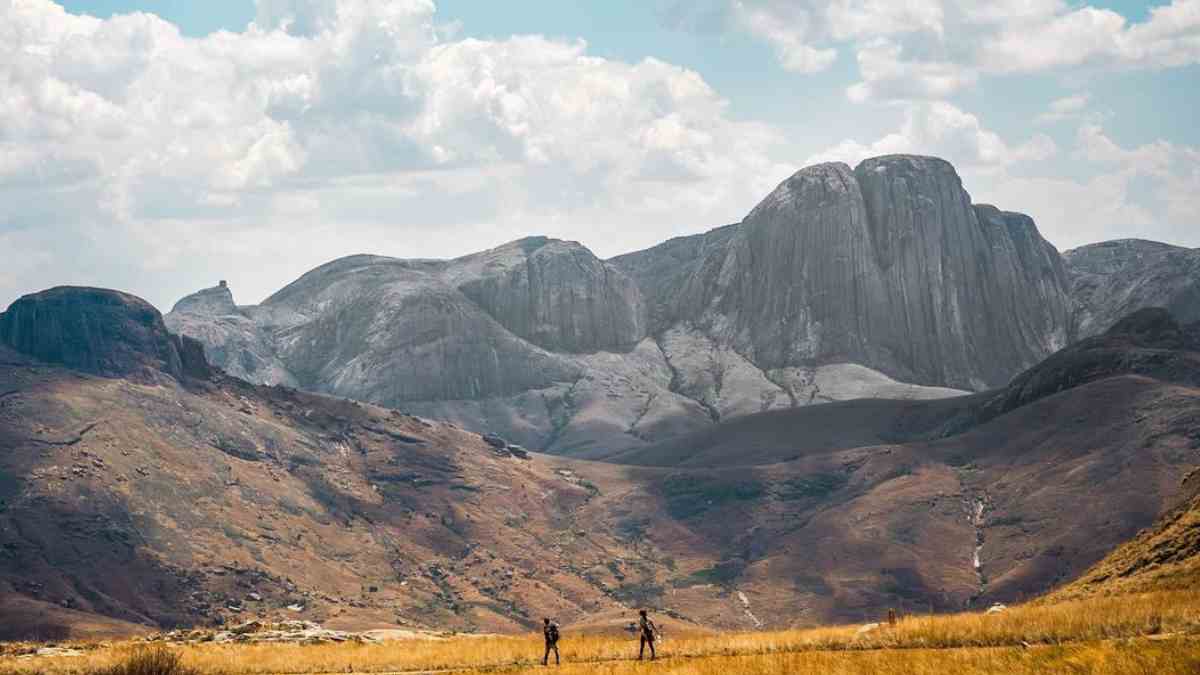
[[879, 281], [994, 419], [138, 493]]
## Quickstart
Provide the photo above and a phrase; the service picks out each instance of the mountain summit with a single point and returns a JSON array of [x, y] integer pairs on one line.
[[879, 281]]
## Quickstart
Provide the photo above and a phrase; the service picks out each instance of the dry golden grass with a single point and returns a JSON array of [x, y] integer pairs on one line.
[[1106, 634]]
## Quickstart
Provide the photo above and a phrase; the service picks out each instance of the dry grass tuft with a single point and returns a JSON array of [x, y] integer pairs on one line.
[[148, 661]]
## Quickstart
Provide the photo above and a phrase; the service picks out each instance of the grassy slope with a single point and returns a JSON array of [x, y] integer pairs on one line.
[[1133, 633]]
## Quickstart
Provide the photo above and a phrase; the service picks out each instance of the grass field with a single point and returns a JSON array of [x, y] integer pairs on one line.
[[1146, 633]]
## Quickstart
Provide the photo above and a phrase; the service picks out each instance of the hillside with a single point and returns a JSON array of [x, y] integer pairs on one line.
[[182, 500], [1163, 557], [1147, 343]]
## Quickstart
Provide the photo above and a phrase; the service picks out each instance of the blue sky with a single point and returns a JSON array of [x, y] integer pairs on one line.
[[165, 154]]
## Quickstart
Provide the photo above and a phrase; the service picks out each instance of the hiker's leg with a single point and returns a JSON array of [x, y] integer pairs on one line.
[[652, 655], [546, 656], [641, 647], [556, 659]]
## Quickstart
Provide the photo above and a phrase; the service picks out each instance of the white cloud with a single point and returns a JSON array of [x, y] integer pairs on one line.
[[912, 49], [887, 74], [131, 153], [941, 129], [786, 26], [1065, 108]]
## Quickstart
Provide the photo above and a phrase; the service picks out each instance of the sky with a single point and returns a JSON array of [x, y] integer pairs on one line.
[[158, 146]]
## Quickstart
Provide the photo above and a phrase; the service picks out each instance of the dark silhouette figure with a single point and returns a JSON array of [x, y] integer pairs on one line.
[[648, 632], [550, 632]]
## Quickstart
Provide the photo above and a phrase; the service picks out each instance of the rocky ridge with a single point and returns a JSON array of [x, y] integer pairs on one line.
[[883, 280]]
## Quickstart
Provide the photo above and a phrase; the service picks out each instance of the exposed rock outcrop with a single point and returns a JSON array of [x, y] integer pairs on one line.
[[232, 339], [883, 280], [1113, 278], [887, 265], [556, 294], [99, 331]]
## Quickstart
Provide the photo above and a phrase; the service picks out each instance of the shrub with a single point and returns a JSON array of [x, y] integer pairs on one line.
[[149, 661]]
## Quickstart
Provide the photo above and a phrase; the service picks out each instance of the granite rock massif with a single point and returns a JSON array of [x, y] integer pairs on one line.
[[879, 281], [100, 331], [1114, 278]]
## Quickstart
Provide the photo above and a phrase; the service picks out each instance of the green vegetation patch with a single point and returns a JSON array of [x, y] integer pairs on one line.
[[721, 574], [689, 496], [811, 486]]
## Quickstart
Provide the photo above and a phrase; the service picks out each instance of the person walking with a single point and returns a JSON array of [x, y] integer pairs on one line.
[[550, 632], [647, 632]]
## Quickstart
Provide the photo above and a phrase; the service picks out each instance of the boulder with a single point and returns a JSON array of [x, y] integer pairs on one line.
[[494, 441]]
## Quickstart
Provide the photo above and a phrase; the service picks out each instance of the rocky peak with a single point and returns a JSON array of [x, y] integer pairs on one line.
[[556, 294], [215, 301], [812, 187], [99, 331], [887, 265]]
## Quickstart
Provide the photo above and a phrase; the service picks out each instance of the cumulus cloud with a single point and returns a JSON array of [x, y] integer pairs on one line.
[[931, 48], [941, 129], [135, 155], [1065, 108], [785, 26]]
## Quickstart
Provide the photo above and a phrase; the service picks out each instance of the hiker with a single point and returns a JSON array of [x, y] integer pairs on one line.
[[550, 631], [648, 632]]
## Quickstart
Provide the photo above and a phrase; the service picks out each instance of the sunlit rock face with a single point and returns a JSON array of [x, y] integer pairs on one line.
[[888, 265], [881, 280]]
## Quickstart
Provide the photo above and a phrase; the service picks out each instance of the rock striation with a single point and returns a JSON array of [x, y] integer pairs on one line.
[[882, 280], [555, 294], [888, 265], [99, 331]]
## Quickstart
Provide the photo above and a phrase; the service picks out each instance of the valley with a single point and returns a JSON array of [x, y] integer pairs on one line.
[[470, 445]]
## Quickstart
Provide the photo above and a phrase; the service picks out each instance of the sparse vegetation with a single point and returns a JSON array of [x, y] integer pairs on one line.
[[689, 496], [1147, 633], [720, 575], [148, 661], [812, 486]]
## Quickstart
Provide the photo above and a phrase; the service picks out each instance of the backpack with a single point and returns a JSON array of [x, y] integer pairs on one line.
[[552, 632]]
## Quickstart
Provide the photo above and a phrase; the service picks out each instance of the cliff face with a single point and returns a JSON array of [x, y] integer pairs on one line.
[[99, 331], [887, 265], [878, 281], [555, 294], [1113, 278]]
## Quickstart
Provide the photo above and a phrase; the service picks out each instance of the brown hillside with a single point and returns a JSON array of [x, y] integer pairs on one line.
[[166, 503], [1163, 557]]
